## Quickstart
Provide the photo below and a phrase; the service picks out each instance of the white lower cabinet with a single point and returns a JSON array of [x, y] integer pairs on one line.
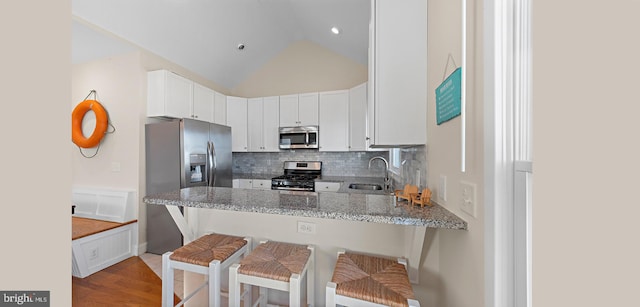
[[322, 186], [259, 184]]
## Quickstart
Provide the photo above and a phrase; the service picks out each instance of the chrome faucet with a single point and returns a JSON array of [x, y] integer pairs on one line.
[[387, 181]]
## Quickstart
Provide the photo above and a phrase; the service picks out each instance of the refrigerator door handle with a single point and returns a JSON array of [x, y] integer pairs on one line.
[[213, 163]]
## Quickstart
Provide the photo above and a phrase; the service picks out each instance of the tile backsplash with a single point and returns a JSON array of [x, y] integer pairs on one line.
[[337, 163], [333, 163], [413, 159]]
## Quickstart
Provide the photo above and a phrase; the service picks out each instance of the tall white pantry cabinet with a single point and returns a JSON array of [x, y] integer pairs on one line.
[[397, 94]]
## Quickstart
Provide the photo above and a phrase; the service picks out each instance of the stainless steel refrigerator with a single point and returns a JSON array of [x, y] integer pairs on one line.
[[179, 154]]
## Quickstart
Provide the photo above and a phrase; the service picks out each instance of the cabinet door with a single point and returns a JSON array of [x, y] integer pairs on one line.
[[261, 184], [245, 183], [254, 117], [237, 120], [334, 121], [220, 109], [398, 76], [358, 118], [289, 111], [168, 95], [178, 96], [271, 123], [203, 101], [322, 186], [308, 109]]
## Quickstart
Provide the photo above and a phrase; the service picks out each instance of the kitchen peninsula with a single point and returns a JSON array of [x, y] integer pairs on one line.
[[371, 223], [360, 207]]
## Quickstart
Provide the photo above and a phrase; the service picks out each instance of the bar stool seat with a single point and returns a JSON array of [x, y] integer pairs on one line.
[[207, 255], [364, 280], [274, 265]]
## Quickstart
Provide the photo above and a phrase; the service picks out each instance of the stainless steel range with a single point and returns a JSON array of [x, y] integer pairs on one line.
[[298, 176]]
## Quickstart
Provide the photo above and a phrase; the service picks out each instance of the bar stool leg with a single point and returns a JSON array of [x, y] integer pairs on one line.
[[264, 296], [214, 283], [167, 278], [234, 286], [311, 277], [330, 296], [294, 290]]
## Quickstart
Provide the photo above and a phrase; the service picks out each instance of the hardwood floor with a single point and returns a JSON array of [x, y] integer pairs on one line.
[[128, 283]]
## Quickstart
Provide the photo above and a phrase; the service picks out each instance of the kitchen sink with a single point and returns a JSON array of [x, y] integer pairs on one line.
[[365, 186]]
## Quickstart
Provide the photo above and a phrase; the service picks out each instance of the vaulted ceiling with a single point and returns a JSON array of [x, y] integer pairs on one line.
[[203, 35]]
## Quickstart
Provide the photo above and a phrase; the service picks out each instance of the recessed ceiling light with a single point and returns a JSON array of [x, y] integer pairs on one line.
[[240, 46], [335, 30]]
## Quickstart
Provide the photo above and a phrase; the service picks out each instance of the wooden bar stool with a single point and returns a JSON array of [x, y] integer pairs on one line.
[[207, 255], [363, 280], [274, 265]]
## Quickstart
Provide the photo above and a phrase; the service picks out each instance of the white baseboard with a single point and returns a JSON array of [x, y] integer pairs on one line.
[[142, 248]]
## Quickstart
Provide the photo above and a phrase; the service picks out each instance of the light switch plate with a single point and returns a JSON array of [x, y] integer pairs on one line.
[[468, 199]]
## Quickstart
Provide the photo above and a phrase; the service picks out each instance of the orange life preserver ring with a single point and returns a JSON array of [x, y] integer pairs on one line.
[[102, 120]]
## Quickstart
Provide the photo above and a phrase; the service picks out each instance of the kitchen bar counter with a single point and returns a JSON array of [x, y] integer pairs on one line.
[[360, 207], [370, 213]]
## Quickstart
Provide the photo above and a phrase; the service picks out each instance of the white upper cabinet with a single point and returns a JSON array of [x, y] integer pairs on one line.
[[398, 73], [203, 103], [289, 110], [168, 95], [308, 109], [334, 121], [237, 120], [263, 124], [299, 110], [220, 109], [358, 118], [271, 123], [171, 95]]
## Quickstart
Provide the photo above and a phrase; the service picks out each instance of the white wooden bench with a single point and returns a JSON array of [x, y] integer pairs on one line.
[[105, 228]]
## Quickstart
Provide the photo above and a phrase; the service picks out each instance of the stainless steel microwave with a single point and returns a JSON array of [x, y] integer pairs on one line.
[[299, 137]]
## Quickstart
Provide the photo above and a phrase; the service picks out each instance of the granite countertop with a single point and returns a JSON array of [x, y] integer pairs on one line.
[[363, 207], [346, 180]]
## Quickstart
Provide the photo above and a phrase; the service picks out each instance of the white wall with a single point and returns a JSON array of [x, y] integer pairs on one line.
[[585, 151], [303, 67], [461, 261], [120, 84]]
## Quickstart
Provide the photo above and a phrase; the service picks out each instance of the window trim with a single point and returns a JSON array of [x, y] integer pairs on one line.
[[395, 153]]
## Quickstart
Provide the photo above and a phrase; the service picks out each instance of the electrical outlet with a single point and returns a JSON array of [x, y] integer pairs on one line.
[[468, 200], [306, 227], [93, 253], [442, 188]]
